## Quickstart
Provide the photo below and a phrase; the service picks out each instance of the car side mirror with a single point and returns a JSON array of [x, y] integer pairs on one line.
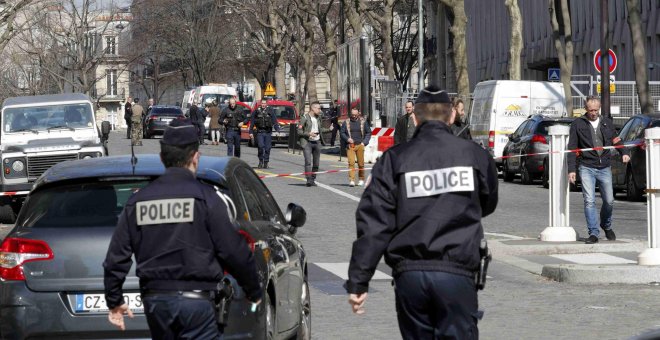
[[295, 215], [105, 129]]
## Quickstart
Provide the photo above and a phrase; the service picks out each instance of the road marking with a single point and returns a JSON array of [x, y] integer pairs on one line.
[[593, 258], [513, 237], [261, 172], [341, 270], [338, 192]]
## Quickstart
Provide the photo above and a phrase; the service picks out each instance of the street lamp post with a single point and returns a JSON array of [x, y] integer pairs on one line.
[[420, 45]]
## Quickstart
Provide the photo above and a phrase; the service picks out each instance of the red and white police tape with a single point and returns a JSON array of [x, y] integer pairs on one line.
[[500, 157], [14, 193]]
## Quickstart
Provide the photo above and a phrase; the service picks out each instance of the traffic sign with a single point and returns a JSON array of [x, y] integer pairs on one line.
[[554, 74], [613, 61], [270, 89]]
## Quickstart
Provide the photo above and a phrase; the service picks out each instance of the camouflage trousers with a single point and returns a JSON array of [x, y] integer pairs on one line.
[[136, 133]]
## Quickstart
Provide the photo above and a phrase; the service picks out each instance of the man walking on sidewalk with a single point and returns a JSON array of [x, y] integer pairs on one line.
[[356, 133], [592, 131]]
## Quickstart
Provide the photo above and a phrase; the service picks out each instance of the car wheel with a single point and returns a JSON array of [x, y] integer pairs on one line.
[[525, 177], [305, 327], [269, 318], [7, 214], [545, 179], [633, 192], [507, 176]]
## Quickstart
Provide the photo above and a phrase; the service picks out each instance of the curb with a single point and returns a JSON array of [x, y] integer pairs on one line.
[[602, 274], [536, 247]]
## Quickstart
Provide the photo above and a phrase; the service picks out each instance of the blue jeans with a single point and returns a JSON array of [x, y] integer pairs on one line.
[[175, 317], [436, 305], [264, 143], [589, 177], [234, 143]]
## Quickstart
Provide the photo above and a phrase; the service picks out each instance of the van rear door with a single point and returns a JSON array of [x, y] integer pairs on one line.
[[548, 99]]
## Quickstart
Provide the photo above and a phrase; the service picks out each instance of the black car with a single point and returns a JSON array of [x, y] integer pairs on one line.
[[159, 118], [51, 273], [529, 138], [631, 177]]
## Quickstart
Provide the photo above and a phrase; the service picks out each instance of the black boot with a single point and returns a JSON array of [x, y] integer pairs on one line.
[[265, 165], [261, 165]]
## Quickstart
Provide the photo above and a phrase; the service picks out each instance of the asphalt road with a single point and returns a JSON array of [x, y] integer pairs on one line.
[[517, 304]]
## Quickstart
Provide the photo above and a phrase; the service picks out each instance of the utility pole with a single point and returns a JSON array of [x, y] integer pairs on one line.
[[604, 60], [420, 45]]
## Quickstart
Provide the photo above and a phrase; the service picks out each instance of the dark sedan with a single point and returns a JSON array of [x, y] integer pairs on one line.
[[530, 137], [51, 274], [631, 177], [159, 118]]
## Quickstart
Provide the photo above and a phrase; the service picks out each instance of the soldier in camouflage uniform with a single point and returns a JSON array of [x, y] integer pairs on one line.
[[136, 123]]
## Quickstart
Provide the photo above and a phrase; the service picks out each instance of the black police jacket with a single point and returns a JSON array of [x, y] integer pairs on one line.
[[231, 117], [423, 207], [264, 119], [581, 137], [180, 232]]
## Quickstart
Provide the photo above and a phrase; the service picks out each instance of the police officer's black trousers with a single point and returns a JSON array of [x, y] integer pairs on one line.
[[234, 143], [176, 317], [264, 143], [436, 305]]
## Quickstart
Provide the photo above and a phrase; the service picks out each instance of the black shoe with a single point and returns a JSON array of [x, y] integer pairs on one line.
[[609, 233], [591, 240], [309, 184], [265, 165], [313, 184], [261, 165]]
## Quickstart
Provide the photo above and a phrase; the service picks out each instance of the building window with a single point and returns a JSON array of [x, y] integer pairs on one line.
[[111, 45], [111, 82]]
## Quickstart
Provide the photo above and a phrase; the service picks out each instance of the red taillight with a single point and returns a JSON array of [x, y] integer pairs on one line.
[[153, 117], [14, 252], [491, 139], [539, 139], [248, 238]]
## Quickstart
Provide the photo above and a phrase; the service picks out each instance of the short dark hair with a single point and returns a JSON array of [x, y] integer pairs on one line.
[[178, 156], [433, 111]]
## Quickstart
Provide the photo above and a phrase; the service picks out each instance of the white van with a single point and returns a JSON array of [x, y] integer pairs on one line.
[[186, 102], [220, 92], [499, 106]]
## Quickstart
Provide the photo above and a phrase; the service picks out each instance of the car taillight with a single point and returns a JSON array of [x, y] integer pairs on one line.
[[491, 139], [248, 238], [14, 252], [539, 139], [153, 117]]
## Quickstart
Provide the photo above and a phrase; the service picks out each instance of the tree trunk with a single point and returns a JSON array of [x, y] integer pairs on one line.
[[331, 55], [310, 79], [516, 45], [354, 17], [386, 35], [280, 76], [639, 55], [564, 53], [460, 48]]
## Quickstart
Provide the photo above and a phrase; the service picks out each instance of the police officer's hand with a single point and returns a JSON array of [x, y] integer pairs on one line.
[[116, 316], [625, 158], [350, 141], [357, 302], [571, 177]]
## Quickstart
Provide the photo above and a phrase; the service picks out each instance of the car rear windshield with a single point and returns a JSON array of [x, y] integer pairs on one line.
[[284, 112], [167, 111], [542, 128], [78, 205]]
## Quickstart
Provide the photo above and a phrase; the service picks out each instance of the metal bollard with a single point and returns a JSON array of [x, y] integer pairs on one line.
[[651, 256], [559, 229]]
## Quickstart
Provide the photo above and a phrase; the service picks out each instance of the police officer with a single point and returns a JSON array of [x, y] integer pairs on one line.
[[422, 210], [263, 120], [181, 233], [232, 118]]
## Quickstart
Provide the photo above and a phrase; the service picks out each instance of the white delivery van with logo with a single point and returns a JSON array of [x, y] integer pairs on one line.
[[499, 106], [221, 93]]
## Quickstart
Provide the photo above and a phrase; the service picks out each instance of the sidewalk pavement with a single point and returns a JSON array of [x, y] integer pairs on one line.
[[606, 262]]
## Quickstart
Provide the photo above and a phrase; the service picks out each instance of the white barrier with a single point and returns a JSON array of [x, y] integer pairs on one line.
[[559, 229], [651, 256]]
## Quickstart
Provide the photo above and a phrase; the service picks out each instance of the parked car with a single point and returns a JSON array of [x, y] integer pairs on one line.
[[631, 177], [159, 118], [286, 114], [531, 136], [51, 277]]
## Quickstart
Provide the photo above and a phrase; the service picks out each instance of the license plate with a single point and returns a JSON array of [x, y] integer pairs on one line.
[[279, 134], [166, 120], [95, 303]]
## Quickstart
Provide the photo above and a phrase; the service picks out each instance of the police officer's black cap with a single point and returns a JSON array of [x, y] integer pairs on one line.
[[433, 94], [180, 132]]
